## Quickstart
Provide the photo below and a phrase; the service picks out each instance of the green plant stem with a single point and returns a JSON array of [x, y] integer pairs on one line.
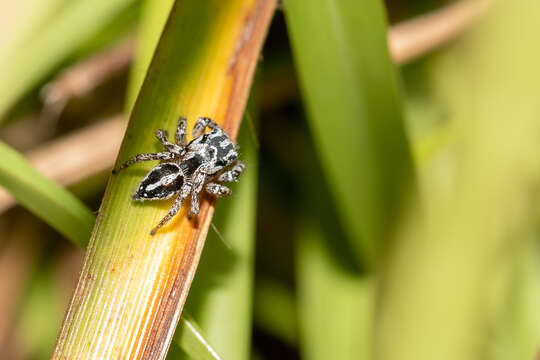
[[203, 66]]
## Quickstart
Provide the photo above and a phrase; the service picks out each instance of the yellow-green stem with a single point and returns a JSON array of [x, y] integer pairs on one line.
[[133, 286]]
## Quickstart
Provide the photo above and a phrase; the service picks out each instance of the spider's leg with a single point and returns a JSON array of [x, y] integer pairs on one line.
[[165, 155], [217, 189], [162, 136], [195, 194], [201, 125], [233, 174], [186, 189], [211, 124], [180, 135]]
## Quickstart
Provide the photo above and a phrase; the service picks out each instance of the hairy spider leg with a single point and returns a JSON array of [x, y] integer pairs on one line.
[[165, 155], [198, 184], [184, 193], [217, 189], [233, 174], [199, 177], [162, 136], [180, 135], [201, 125]]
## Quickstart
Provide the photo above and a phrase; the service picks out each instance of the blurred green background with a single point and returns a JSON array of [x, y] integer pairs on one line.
[[396, 204]]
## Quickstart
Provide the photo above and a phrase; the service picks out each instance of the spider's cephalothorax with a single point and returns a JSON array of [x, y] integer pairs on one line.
[[187, 169]]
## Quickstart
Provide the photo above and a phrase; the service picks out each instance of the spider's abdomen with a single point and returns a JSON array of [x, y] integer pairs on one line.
[[162, 182]]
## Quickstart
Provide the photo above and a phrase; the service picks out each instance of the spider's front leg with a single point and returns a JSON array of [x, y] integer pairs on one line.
[[180, 135], [184, 193], [233, 174], [162, 136], [165, 155], [201, 125]]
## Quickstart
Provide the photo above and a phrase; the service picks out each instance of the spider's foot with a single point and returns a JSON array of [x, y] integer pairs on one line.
[[155, 230]]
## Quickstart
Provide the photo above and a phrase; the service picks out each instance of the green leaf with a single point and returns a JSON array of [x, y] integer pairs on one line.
[[153, 19], [351, 91], [481, 196], [189, 334], [328, 278], [48, 47], [43, 197], [335, 304]]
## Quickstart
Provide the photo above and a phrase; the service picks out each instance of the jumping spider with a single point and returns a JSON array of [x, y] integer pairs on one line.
[[188, 168]]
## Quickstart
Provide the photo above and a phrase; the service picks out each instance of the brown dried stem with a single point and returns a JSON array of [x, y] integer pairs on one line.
[[413, 38], [85, 76]]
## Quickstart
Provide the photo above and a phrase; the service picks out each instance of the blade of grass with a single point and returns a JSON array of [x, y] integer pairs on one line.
[[351, 92], [433, 300], [203, 66], [154, 18], [40, 53], [335, 305], [335, 298], [190, 339], [43, 197], [71, 159]]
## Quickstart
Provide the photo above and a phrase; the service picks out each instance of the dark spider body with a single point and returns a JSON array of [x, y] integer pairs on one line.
[[187, 169]]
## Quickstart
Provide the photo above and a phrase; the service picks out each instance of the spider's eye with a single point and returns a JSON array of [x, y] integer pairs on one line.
[[162, 182]]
